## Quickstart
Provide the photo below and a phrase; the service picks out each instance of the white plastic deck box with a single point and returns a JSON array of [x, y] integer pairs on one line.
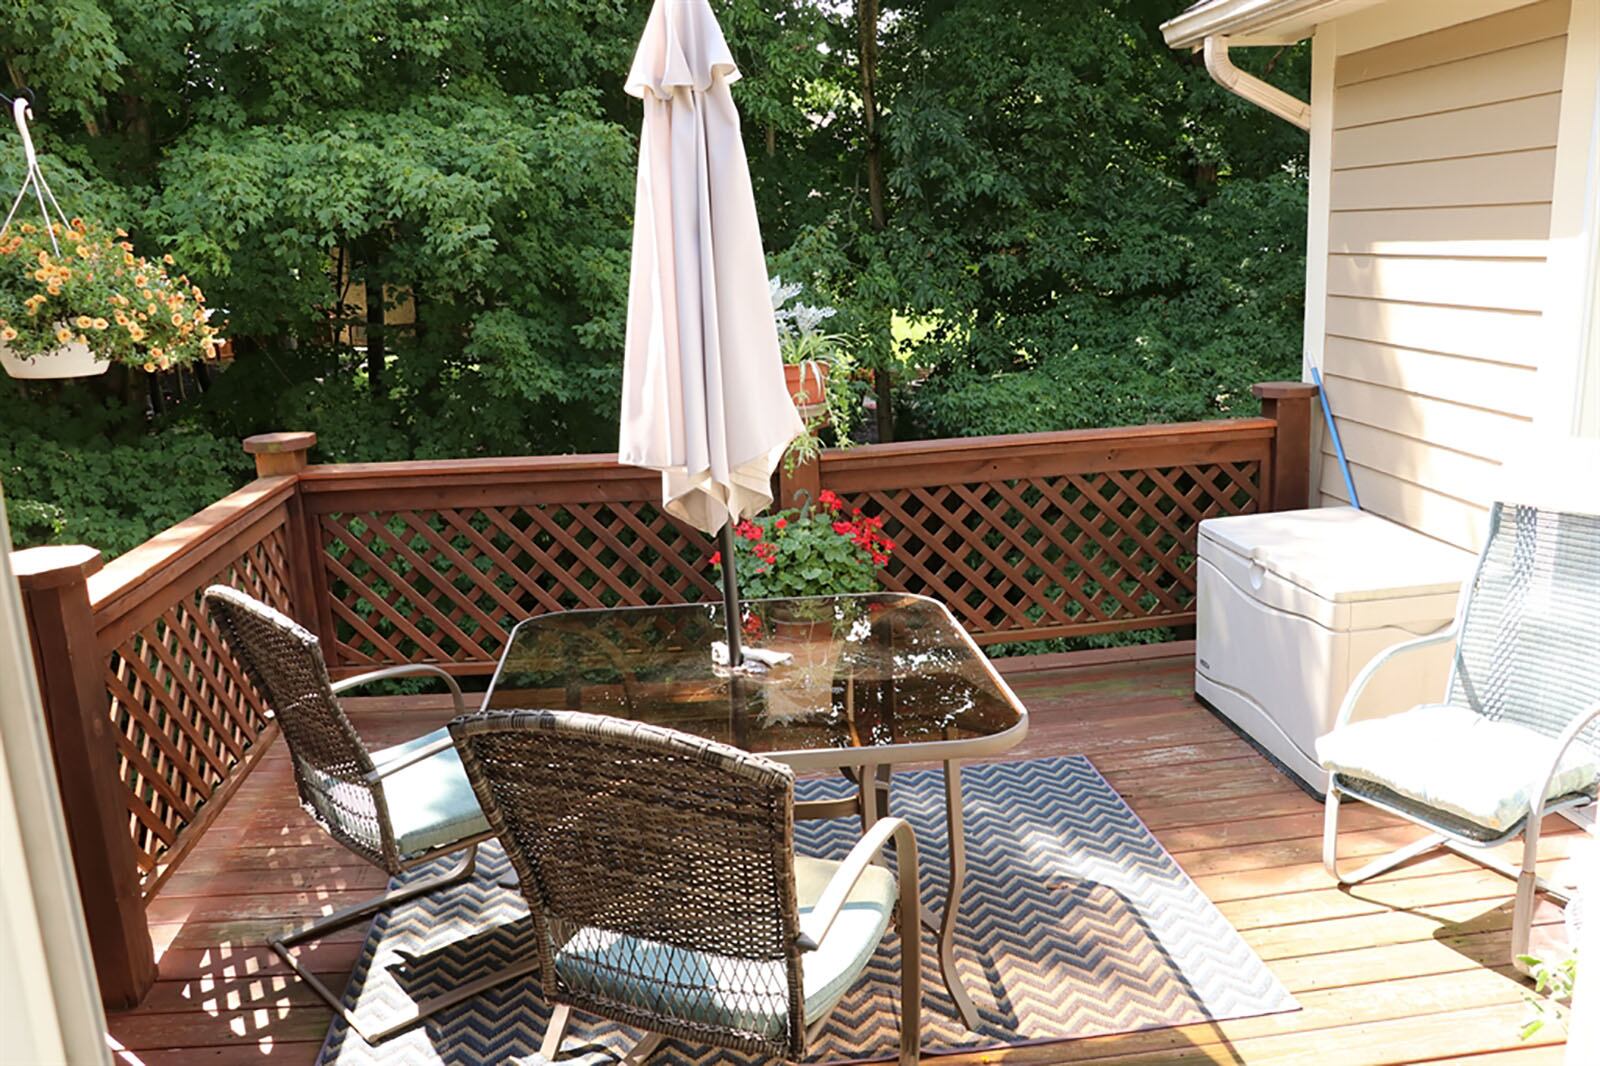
[[1292, 604]]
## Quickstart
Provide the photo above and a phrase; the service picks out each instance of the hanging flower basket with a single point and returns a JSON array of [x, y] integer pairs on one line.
[[71, 360], [74, 298]]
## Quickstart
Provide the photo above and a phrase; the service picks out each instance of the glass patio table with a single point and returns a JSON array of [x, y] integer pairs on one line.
[[875, 681]]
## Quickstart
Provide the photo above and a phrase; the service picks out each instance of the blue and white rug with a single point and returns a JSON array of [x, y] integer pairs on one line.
[[1075, 922]]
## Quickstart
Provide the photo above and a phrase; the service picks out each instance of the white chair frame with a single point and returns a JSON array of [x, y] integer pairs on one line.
[[1524, 874]]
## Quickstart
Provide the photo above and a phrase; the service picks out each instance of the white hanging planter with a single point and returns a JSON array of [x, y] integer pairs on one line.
[[71, 360]]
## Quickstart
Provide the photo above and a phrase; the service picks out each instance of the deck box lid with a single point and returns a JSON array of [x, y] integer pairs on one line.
[[1341, 554]]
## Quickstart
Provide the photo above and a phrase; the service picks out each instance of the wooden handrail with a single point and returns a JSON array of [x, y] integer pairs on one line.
[[1075, 451], [1049, 440], [140, 574]]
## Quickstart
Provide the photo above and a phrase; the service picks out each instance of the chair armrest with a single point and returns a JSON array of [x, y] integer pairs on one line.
[[411, 758], [815, 926], [1536, 798], [405, 670], [1353, 693]]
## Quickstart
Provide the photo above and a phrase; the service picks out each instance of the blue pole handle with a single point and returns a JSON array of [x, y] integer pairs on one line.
[[1338, 445]]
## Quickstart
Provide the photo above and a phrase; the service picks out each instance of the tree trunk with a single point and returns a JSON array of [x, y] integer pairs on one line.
[[375, 340], [867, 55]]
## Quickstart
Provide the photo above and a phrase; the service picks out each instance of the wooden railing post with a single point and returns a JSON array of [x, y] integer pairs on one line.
[[286, 454], [277, 454], [72, 682], [1288, 403], [799, 485]]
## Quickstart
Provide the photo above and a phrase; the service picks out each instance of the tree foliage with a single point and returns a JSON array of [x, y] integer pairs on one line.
[[1078, 227]]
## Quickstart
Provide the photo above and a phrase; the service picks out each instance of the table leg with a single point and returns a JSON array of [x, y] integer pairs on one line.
[[867, 791], [952, 904]]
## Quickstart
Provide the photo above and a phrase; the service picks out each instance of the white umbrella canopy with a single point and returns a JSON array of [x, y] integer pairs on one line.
[[703, 396]]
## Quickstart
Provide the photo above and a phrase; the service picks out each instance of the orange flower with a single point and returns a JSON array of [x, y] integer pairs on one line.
[[141, 281], [8, 334], [121, 232], [167, 259], [63, 334], [84, 321], [177, 319], [100, 323]]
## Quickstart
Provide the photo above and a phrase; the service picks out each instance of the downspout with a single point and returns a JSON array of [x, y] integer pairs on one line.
[[1252, 88]]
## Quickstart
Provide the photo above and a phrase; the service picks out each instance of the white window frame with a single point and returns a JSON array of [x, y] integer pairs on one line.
[[50, 1009]]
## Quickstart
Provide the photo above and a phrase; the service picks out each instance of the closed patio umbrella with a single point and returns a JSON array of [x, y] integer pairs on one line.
[[703, 397]]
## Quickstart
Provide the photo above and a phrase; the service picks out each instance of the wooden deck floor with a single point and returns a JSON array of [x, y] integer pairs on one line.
[[1408, 968]]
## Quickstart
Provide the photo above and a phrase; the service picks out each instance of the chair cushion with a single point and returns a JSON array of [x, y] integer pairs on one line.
[[735, 993], [431, 803], [1455, 760]]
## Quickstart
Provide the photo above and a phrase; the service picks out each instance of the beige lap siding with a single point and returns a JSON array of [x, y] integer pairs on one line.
[[1443, 163]]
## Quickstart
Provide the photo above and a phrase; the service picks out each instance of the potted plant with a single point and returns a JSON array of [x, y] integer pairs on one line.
[[73, 299], [808, 551], [816, 369]]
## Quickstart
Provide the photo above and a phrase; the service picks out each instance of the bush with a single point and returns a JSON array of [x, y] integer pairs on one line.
[[79, 484]]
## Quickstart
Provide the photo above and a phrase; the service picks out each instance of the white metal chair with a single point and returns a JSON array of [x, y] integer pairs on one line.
[[1518, 734], [398, 808], [660, 873]]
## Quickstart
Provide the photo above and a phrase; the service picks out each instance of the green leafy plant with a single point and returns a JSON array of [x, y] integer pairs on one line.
[[809, 551], [1552, 991], [801, 341], [69, 283]]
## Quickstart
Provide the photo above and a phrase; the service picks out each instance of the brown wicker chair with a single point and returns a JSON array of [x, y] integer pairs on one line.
[[660, 872], [398, 808]]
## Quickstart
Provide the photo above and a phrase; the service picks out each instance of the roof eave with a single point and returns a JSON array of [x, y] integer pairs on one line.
[[1248, 22]]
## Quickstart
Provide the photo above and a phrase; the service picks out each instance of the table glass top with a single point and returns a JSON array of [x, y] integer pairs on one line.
[[867, 672]]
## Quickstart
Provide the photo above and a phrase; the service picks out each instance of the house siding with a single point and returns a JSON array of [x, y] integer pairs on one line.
[[1442, 165]]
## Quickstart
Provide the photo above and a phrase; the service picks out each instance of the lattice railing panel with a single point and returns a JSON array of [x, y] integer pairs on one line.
[[184, 714], [1091, 552], [446, 585]]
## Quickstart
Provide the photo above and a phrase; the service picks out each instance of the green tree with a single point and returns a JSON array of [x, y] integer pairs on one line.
[[1090, 231], [1030, 213]]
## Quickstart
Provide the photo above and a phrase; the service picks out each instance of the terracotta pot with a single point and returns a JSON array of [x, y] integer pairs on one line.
[[71, 360], [807, 383], [802, 631]]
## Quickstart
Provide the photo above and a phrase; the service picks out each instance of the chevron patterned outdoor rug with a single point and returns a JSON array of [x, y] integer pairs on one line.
[[1076, 922]]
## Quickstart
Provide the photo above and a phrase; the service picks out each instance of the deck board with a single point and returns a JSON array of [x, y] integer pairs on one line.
[[1408, 968]]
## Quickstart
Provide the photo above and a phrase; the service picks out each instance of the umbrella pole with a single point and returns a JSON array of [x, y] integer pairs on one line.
[[730, 596]]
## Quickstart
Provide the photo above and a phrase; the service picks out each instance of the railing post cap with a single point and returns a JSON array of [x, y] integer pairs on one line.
[[54, 565], [278, 443], [1283, 390]]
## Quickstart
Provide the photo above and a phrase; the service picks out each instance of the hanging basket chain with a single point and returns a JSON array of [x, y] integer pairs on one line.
[[34, 178]]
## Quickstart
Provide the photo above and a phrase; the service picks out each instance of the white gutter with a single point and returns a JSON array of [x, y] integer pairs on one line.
[[1249, 87], [1252, 20]]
